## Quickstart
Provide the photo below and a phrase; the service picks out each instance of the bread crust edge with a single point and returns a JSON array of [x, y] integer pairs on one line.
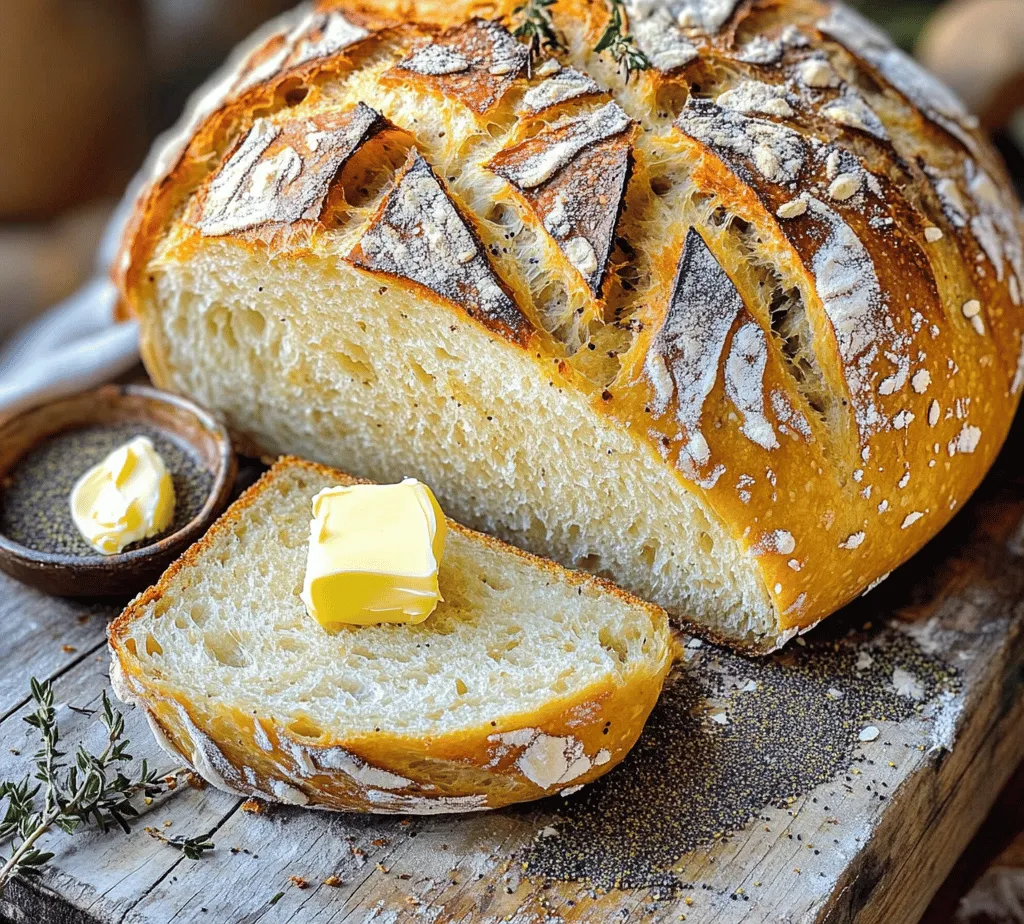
[[467, 770]]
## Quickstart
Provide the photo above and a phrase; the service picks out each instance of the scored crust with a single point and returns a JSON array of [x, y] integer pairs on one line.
[[568, 742], [856, 240]]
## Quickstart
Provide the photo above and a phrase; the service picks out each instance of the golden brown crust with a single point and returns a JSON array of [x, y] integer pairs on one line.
[[867, 193], [480, 768]]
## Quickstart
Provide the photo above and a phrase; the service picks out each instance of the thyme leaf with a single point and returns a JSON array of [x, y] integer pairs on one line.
[[88, 790]]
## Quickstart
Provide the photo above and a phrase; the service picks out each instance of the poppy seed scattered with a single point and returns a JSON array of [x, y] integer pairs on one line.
[[691, 781]]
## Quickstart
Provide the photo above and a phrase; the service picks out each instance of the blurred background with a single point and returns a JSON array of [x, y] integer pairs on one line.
[[89, 83]]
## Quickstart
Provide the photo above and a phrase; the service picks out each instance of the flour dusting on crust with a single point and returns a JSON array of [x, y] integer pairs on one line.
[[776, 152], [852, 110], [392, 803], [930, 95], [339, 758], [476, 63], [761, 50], [280, 174], [207, 759], [706, 16], [435, 61], [537, 161], [567, 84], [702, 308], [753, 96], [579, 202], [420, 235], [550, 760], [744, 383], [314, 37], [659, 37], [846, 282]]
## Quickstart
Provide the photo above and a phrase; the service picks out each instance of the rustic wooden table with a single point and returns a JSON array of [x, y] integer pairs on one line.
[[837, 781]]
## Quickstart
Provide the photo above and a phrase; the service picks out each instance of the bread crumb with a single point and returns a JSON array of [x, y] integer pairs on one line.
[[254, 806], [932, 234]]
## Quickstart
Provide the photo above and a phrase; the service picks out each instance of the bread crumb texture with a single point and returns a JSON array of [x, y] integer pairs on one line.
[[526, 679], [640, 327]]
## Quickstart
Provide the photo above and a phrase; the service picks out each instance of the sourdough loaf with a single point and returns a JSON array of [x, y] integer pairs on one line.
[[741, 332], [527, 680]]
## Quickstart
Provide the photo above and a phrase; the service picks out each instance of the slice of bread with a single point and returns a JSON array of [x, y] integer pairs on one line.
[[526, 681]]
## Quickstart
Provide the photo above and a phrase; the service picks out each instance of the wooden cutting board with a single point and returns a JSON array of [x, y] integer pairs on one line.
[[837, 781]]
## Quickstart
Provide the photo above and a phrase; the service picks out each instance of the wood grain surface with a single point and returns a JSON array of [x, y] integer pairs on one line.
[[871, 841]]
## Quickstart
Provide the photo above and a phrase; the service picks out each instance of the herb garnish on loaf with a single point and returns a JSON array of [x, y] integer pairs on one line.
[[526, 680]]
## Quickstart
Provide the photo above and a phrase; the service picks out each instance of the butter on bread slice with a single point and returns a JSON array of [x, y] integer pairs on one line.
[[526, 680]]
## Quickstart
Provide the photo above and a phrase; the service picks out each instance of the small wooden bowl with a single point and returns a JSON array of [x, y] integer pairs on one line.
[[128, 572]]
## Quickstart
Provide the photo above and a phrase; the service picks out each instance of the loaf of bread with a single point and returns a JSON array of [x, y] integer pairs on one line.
[[527, 680], [740, 332]]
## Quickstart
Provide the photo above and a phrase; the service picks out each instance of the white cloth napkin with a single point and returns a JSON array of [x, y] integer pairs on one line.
[[76, 344]]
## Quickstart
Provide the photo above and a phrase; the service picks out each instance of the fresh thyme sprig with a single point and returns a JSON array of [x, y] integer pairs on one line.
[[192, 847], [619, 43], [93, 790], [537, 28]]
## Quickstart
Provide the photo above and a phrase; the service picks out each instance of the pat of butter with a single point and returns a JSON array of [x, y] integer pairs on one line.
[[373, 554], [127, 497]]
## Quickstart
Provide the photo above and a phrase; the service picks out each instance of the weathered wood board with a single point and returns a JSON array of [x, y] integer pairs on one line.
[[751, 782]]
